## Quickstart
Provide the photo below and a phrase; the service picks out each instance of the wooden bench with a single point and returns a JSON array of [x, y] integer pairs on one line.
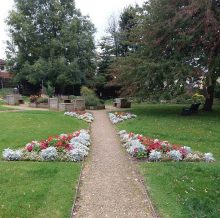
[[193, 109]]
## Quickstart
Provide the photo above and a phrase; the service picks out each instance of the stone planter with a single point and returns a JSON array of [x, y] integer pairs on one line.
[[79, 104], [53, 103], [40, 105], [66, 106], [34, 105], [43, 105], [13, 99]]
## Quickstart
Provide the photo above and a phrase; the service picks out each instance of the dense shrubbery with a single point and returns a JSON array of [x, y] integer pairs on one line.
[[90, 97]]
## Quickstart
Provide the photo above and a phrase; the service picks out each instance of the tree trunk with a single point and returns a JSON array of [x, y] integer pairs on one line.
[[209, 99]]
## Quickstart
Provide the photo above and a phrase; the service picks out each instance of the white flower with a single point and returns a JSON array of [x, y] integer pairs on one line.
[[155, 155], [88, 117], [175, 155], [77, 154], [117, 118], [9, 154], [135, 146], [49, 154], [208, 157]]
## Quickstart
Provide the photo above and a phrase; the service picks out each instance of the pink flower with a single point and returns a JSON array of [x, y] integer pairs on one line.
[[29, 147]]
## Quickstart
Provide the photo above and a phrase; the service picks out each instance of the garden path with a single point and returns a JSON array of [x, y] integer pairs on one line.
[[110, 183]]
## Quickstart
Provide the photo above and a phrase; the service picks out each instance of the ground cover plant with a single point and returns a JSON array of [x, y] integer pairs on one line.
[[181, 189], [32, 189]]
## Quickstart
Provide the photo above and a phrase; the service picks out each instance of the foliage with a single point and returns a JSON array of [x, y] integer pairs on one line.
[[4, 92], [198, 99], [90, 97], [85, 91], [42, 100], [33, 98], [166, 51], [50, 41], [92, 100], [50, 90]]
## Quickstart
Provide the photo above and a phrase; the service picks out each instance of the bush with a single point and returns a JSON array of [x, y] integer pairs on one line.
[[92, 100], [4, 92], [42, 100], [183, 99], [37, 99], [85, 91], [33, 98], [90, 97], [50, 90], [198, 99]]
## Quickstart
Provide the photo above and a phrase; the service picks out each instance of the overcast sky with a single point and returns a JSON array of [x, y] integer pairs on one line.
[[98, 10]]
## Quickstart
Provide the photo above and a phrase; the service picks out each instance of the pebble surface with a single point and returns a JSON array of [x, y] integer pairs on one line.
[[110, 185]]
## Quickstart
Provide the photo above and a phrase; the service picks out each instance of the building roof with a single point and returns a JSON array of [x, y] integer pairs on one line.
[[5, 75], [2, 62]]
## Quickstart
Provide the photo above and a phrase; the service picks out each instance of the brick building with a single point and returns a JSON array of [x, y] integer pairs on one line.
[[5, 76]]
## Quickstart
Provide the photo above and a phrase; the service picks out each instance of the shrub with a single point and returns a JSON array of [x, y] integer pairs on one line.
[[85, 91], [90, 97], [50, 90], [198, 99], [4, 92], [91, 100], [33, 98], [42, 100]]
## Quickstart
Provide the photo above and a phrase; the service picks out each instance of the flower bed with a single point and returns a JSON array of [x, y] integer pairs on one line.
[[155, 150], [88, 117], [64, 147], [117, 117]]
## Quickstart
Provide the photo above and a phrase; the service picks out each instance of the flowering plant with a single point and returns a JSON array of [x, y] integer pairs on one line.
[[117, 117], [155, 150], [64, 147], [81, 115]]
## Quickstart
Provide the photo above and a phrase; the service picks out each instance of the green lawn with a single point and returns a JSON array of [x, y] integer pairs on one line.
[[2, 108], [181, 189], [32, 189]]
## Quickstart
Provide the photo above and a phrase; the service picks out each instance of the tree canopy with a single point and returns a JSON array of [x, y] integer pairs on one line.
[[50, 41], [169, 44]]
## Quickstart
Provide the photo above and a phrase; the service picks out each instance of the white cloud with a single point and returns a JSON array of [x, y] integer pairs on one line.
[[98, 10]]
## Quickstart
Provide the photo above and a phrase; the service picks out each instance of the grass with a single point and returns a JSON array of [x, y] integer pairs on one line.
[[181, 189], [37, 189], [19, 128], [32, 189], [2, 108]]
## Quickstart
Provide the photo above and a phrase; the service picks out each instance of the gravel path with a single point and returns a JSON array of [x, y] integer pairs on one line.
[[110, 184]]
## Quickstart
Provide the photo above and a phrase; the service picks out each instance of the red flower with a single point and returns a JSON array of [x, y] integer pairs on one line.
[[29, 147], [43, 145], [140, 137], [68, 147], [50, 139], [59, 143]]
